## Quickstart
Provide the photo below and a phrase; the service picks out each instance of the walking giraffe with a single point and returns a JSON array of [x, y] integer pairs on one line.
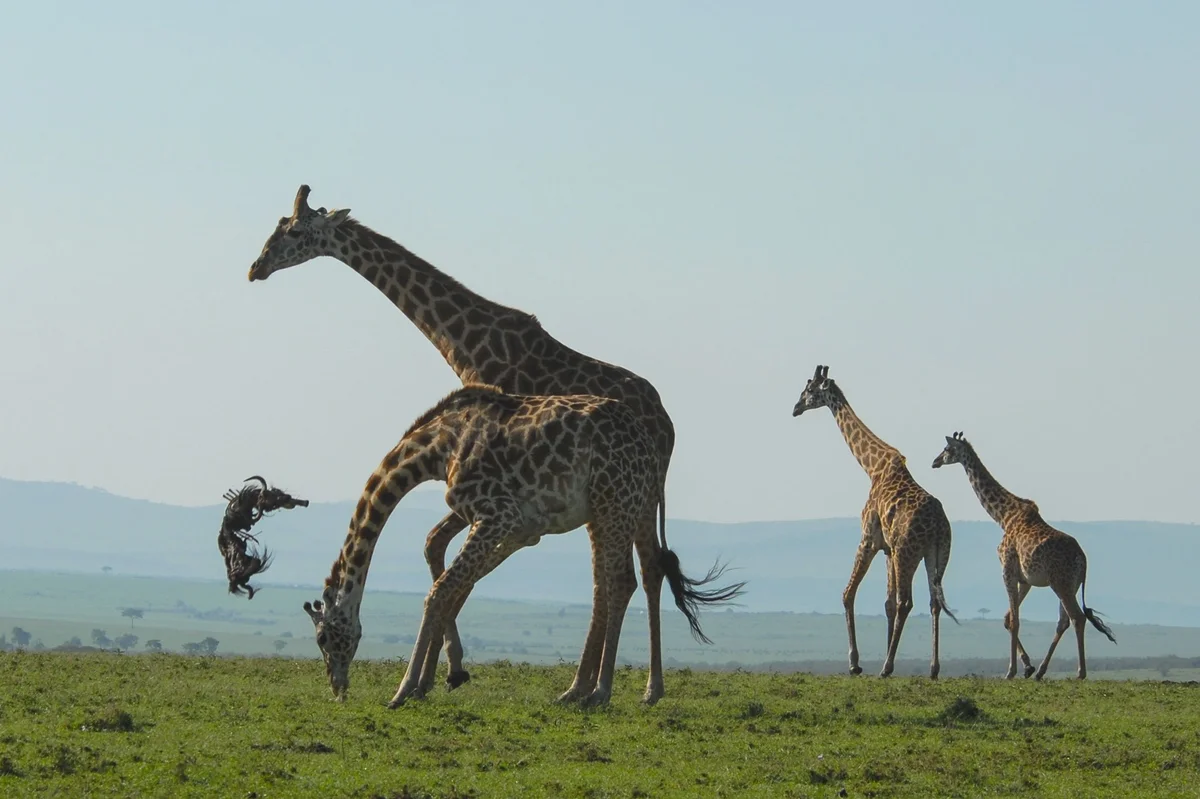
[[482, 341], [1032, 553], [517, 468], [901, 519]]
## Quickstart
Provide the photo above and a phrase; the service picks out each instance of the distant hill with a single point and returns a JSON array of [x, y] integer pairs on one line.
[[1138, 572]]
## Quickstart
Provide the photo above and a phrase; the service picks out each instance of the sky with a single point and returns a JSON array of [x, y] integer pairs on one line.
[[982, 218]]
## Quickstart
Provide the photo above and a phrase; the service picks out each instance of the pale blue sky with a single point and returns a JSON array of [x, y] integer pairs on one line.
[[981, 218]]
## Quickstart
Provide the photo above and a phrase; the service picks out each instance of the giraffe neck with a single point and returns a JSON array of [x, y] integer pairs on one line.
[[872, 452], [461, 324], [418, 458], [998, 501]]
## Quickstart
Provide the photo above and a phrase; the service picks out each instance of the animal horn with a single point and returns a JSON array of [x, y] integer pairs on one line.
[[301, 204]]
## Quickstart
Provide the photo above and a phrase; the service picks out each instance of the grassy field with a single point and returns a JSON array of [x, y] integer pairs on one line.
[[166, 725], [54, 608]]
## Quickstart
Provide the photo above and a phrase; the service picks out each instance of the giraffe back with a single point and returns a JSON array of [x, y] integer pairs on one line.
[[1044, 553], [554, 459], [907, 512]]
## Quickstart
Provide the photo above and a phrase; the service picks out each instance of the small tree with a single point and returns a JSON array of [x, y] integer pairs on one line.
[[983, 612], [74, 641], [131, 614], [154, 645], [280, 645], [100, 638], [209, 645], [106, 569], [20, 637], [191, 647], [127, 641]]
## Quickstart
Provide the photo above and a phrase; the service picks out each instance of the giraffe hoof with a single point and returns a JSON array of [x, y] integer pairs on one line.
[[856, 669], [595, 699], [456, 678], [1029, 672], [650, 698]]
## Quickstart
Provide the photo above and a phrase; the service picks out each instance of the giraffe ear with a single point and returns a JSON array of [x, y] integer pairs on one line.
[[336, 217], [949, 440]]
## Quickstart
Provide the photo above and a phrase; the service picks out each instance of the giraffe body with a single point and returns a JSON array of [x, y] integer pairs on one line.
[[482, 341], [1033, 554], [900, 519], [518, 468]]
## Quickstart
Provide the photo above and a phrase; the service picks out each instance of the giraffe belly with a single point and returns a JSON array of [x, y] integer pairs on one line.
[[1035, 575], [552, 513]]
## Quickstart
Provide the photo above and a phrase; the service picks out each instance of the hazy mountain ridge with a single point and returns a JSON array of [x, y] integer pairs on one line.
[[1138, 571]]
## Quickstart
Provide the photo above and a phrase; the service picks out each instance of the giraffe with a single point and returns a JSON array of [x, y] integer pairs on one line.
[[518, 468], [481, 340], [1032, 553], [901, 519]]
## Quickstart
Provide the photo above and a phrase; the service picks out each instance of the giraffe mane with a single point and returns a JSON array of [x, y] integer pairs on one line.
[[469, 391], [452, 283]]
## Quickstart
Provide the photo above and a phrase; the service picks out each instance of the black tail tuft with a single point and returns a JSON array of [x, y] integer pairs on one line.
[[688, 594], [1094, 617]]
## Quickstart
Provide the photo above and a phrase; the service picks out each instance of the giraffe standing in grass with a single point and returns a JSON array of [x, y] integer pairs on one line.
[[1032, 553], [517, 468], [901, 519], [482, 341]]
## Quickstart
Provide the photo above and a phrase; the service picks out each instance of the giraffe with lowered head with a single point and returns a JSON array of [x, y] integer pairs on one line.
[[481, 340], [517, 468], [901, 519], [1032, 553]]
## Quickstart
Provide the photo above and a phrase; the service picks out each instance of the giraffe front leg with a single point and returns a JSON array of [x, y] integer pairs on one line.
[[436, 543], [862, 561]]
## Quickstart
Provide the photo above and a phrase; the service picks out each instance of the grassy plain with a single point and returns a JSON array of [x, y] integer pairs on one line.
[[166, 725]]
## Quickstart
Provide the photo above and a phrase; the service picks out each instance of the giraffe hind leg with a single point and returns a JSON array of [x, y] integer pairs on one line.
[[652, 580], [622, 583], [436, 543]]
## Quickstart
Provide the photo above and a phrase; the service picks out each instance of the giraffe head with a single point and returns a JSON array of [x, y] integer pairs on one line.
[[304, 235], [338, 632], [819, 392], [957, 451]]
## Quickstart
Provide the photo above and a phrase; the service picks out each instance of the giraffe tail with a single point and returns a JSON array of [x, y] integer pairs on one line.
[[688, 592], [939, 595], [1093, 615]]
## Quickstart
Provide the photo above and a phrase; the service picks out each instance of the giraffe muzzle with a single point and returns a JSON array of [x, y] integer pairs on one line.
[[257, 272]]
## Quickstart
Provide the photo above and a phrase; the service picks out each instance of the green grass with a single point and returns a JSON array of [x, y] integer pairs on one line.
[[165, 725]]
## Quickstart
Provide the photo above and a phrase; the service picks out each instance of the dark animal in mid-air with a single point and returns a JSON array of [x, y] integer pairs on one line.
[[247, 506]]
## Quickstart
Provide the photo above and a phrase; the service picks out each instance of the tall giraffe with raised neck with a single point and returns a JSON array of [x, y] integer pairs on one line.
[[1032, 553], [901, 519], [517, 468], [481, 340]]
